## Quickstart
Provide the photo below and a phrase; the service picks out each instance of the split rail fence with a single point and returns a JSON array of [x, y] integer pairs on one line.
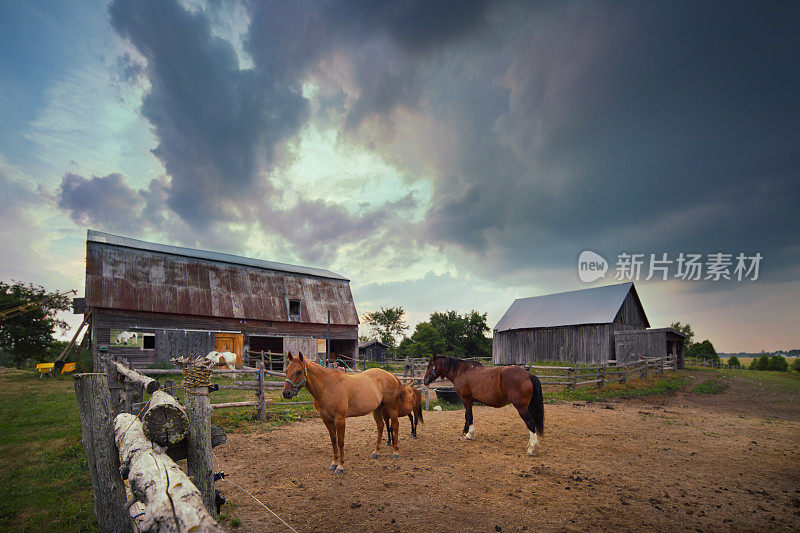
[[126, 439]]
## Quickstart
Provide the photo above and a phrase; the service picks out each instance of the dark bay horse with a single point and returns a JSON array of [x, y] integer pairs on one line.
[[495, 386], [338, 396], [410, 405]]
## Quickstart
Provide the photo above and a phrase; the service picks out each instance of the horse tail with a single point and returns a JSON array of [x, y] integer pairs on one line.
[[536, 405], [418, 406]]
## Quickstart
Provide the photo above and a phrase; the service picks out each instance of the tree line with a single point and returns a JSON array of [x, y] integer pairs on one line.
[[445, 333]]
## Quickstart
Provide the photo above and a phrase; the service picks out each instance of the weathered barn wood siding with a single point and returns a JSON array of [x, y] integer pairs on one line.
[[181, 335], [305, 345], [629, 345], [143, 280], [631, 314], [588, 343]]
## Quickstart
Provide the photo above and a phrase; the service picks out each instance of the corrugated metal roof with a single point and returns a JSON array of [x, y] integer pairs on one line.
[[598, 305], [145, 279], [116, 240]]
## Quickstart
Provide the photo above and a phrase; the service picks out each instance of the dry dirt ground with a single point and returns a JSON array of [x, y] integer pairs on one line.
[[729, 461]]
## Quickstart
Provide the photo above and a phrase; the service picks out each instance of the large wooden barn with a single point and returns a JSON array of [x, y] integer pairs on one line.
[[151, 302], [596, 325]]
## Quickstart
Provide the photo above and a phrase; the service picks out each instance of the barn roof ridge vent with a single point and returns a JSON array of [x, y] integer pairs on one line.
[[593, 305], [128, 242]]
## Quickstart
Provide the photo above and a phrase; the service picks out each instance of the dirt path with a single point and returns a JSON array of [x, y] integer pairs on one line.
[[685, 461]]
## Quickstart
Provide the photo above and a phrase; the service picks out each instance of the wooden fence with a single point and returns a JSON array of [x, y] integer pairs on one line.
[[123, 435], [705, 362]]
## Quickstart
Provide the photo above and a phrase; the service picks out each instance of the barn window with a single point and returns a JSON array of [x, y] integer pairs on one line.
[[294, 308], [149, 341]]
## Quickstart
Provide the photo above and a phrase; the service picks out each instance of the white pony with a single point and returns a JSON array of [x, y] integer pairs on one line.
[[126, 336], [223, 358]]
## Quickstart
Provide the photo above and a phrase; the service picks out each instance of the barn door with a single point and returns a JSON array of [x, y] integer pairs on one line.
[[230, 342]]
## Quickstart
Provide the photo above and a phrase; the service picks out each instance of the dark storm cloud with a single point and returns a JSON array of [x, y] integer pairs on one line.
[[107, 201], [217, 126], [639, 127], [646, 127]]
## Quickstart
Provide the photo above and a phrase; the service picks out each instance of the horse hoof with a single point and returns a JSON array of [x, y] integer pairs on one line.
[[333, 466], [467, 436], [395, 456], [531, 451], [374, 455], [339, 471]]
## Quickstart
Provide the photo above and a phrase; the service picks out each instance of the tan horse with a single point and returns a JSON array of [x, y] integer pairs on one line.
[[410, 405], [338, 396]]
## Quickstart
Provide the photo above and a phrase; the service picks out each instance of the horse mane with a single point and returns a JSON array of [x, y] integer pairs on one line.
[[453, 363]]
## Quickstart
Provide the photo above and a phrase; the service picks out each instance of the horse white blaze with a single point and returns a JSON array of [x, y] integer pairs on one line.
[[471, 432], [532, 443]]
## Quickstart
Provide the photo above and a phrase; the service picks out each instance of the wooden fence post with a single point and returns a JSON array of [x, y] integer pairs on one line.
[[575, 375], [624, 376], [603, 376], [115, 388], [200, 460], [94, 406], [260, 396]]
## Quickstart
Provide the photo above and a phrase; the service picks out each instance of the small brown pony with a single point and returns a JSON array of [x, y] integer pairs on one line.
[[338, 395], [410, 405], [495, 386]]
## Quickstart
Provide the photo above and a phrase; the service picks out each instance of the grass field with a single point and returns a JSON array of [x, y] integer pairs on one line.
[[44, 481]]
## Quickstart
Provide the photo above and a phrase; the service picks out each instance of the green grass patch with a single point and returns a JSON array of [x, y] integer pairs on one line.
[[446, 406], [634, 388], [709, 386], [44, 478]]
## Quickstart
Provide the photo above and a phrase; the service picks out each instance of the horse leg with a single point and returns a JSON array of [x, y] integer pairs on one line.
[[527, 417], [377, 414], [332, 430], [469, 427], [339, 422], [395, 434], [413, 425], [388, 426]]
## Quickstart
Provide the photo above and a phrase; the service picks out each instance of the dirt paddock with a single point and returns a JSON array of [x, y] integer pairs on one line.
[[729, 461]]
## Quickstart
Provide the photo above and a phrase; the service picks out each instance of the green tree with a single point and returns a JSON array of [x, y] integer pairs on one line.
[[686, 329], [760, 363], [778, 363], [387, 324], [702, 350], [30, 335], [796, 364], [733, 362], [463, 336]]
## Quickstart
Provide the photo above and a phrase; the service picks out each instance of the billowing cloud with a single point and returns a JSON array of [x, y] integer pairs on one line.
[[515, 135]]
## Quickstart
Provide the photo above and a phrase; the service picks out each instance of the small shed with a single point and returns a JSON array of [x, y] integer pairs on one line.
[[575, 326], [657, 342], [372, 350], [150, 302]]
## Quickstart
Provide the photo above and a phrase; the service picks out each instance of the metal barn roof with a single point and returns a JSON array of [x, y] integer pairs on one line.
[[127, 274], [116, 240], [598, 305]]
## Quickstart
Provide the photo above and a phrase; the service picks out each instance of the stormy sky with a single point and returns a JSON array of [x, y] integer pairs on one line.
[[441, 155]]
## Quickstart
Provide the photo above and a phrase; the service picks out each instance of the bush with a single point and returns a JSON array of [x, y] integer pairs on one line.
[[796, 364], [733, 362], [778, 363], [762, 363]]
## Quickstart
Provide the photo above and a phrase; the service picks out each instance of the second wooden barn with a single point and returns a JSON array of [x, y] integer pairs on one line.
[[150, 302], [594, 326]]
